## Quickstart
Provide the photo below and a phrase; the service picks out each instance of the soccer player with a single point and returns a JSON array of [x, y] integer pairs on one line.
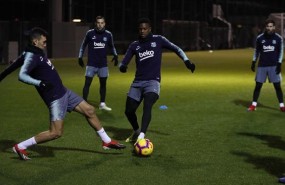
[[269, 53], [98, 41], [146, 84], [38, 70]]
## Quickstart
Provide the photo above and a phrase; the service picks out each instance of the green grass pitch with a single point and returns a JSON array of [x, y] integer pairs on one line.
[[206, 136]]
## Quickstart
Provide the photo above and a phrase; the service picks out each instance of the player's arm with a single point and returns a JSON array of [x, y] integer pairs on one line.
[[82, 49], [127, 58], [27, 67], [281, 49], [179, 52], [13, 66], [256, 54], [114, 51], [280, 57]]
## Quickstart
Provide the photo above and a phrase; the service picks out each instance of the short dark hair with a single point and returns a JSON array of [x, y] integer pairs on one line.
[[99, 17], [36, 33], [269, 21], [144, 20]]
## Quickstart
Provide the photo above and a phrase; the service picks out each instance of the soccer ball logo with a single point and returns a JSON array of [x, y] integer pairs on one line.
[[144, 147]]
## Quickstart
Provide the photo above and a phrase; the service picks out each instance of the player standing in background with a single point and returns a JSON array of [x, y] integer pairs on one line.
[[98, 41], [269, 53], [37, 70], [146, 85]]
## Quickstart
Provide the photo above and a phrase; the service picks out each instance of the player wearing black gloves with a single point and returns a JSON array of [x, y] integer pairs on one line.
[[269, 54], [98, 41], [146, 85]]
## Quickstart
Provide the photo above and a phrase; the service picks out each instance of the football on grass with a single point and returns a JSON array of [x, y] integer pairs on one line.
[[144, 147]]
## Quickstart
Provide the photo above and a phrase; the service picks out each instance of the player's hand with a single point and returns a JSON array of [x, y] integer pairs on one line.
[[46, 86], [190, 65], [80, 62], [123, 68], [253, 66], [115, 60], [278, 68]]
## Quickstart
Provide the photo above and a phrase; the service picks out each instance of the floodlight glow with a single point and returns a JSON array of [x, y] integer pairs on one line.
[[76, 20]]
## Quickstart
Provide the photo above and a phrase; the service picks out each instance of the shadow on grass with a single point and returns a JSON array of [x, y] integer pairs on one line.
[[48, 151], [245, 103], [273, 165], [122, 133], [269, 140]]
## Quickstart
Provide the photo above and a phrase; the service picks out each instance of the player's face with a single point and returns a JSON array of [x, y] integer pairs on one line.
[[144, 30], [270, 28], [100, 24], [40, 42]]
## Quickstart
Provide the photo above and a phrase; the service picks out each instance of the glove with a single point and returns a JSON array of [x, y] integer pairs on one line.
[[123, 68], [46, 86], [253, 66], [278, 68], [80, 62], [190, 65], [115, 59]]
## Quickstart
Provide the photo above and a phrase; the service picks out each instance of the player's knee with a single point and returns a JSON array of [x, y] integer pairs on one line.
[[90, 111], [56, 134], [129, 111]]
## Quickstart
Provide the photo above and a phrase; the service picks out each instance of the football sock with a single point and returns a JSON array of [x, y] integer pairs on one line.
[[27, 143], [254, 103], [281, 104], [102, 104], [104, 136], [141, 136]]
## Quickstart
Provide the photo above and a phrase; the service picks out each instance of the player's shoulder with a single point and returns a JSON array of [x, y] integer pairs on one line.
[[134, 43], [108, 32], [90, 32], [159, 37], [260, 36], [277, 35]]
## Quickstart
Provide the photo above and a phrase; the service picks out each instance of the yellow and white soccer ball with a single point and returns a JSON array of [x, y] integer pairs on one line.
[[144, 147]]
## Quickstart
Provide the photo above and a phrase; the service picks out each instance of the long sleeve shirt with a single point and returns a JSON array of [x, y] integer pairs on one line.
[[98, 44], [148, 56], [269, 49], [37, 68]]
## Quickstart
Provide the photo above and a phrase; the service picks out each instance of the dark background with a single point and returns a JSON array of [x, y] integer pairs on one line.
[[17, 16]]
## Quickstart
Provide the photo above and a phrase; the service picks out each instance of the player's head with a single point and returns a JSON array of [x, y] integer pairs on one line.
[[100, 23], [38, 37], [144, 27], [269, 26]]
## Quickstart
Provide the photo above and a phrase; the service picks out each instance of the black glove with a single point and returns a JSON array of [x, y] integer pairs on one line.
[[278, 68], [46, 86], [123, 68], [80, 62], [253, 66], [115, 59], [190, 65]]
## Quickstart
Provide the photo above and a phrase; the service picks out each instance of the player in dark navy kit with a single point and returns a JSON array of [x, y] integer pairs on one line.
[[146, 84], [98, 41], [38, 70], [269, 53]]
